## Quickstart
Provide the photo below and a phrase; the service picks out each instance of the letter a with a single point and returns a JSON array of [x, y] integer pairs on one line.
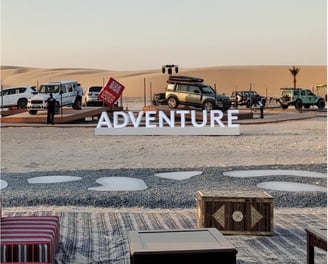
[[104, 121]]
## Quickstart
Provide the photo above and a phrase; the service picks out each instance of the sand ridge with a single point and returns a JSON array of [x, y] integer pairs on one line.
[[266, 80]]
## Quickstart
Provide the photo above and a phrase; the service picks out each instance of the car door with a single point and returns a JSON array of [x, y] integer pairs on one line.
[[182, 92], [3, 95], [194, 95], [65, 95], [71, 93], [9, 97], [310, 98]]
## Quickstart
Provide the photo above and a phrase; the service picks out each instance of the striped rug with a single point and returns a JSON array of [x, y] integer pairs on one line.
[[99, 235]]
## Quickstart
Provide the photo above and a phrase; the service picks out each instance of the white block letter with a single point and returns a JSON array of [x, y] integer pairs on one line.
[[125, 119], [104, 121], [150, 118], [216, 115], [231, 117], [162, 116], [194, 121], [136, 122], [183, 116]]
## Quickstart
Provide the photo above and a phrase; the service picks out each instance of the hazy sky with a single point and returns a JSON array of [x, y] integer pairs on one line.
[[144, 34]]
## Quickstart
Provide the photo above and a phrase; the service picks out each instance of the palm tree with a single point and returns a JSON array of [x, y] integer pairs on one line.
[[294, 71]]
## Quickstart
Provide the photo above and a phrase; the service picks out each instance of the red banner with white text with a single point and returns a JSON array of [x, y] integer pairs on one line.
[[111, 92]]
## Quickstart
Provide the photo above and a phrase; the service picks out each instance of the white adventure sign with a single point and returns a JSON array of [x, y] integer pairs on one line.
[[159, 123]]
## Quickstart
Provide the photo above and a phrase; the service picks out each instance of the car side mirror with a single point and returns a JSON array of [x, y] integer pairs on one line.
[[196, 91]]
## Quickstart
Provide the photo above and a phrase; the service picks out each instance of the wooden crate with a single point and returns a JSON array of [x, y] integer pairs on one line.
[[236, 213]]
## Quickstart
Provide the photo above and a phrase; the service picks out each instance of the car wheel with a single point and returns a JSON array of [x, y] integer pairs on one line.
[[22, 103], [33, 112], [172, 102], [321, 104], [298, 105], [208, 106], [284, 106]]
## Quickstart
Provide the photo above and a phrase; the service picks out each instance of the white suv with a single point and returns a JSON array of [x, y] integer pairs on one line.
[[63, 91], [16, 96]]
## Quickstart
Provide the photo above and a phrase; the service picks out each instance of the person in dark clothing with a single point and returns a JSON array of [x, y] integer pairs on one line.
[[51, 104]]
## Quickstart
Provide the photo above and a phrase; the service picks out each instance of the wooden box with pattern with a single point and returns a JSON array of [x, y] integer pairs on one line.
[[235, 213]]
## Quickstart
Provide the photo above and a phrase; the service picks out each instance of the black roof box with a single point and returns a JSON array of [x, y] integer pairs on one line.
[[189, 79]]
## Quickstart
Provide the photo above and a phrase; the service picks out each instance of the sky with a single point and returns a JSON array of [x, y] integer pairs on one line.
[[146, 34]]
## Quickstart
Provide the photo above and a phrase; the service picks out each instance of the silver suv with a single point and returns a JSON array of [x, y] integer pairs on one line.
[[191, 91], [16, 96], [63, 91]]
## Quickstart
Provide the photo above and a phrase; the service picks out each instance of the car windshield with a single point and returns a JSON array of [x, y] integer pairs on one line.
[[208, 90], [253, 93], [95, 89], [49, 89]]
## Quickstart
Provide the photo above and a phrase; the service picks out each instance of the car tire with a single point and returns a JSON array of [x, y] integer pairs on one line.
[[321, 104], [22, 103], [33, 112], [208, 106], [298, 104], [172, 102], [284, 106]]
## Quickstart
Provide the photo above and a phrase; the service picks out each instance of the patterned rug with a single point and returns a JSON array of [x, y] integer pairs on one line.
[[99, 235]]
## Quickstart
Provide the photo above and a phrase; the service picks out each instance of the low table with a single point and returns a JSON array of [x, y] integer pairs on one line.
[[190, 246], [315, 237]]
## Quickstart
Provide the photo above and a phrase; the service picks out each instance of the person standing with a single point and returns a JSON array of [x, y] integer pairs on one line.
[[78, 101], [51, 105]]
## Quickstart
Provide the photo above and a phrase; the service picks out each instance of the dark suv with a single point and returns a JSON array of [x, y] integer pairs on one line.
[[191, 91], [247, 98]]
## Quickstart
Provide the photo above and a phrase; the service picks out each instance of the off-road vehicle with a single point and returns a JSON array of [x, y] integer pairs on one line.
[[191, 91], [300, 97], [247, 97], [63, 91]]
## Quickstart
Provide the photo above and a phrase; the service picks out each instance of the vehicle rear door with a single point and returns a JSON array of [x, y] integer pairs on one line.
[[309, 97], [10, 97]]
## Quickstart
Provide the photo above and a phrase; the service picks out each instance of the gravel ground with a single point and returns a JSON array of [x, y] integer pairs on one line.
[[48, 151], [161, 193]]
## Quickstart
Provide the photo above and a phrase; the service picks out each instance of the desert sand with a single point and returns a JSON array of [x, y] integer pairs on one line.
[[28, 149], [266, 80]]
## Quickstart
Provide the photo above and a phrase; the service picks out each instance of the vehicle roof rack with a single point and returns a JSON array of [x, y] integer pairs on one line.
[[189, 79]]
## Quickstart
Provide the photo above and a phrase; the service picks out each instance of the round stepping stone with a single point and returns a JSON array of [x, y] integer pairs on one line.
[[53, 179], [290, 186], [258, 173], [119, 184], [179, 175], [3, 184]]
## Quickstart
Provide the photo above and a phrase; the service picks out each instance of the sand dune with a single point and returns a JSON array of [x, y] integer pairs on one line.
[[266, 80]]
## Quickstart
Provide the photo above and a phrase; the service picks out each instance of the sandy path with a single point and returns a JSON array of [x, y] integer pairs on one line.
[[50, 149]]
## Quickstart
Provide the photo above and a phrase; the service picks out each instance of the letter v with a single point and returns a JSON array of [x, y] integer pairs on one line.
[[136, 121]]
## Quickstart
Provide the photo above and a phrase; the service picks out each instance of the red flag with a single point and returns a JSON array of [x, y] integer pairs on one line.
[[111, 92]]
